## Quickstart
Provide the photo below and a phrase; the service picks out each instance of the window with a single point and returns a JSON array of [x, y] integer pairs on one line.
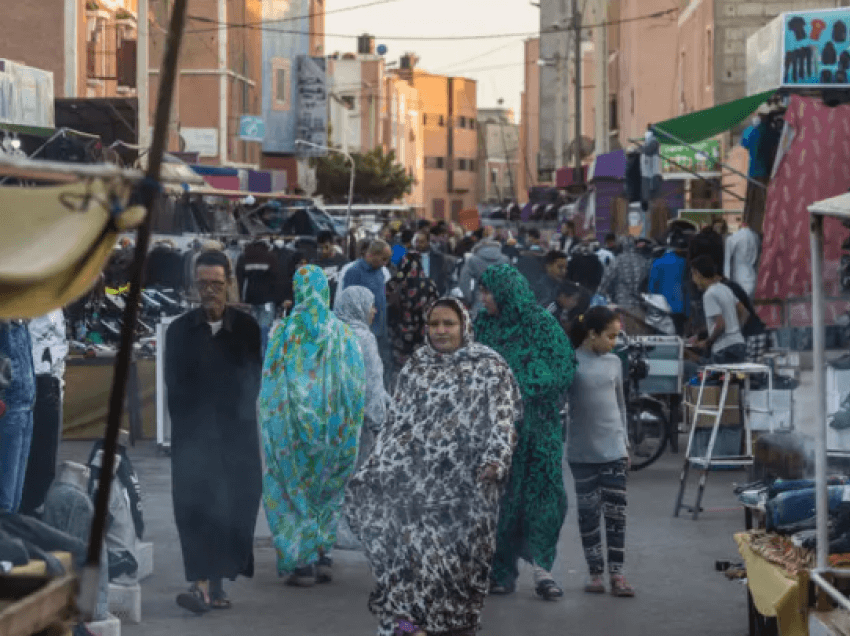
[[281, 79], [471, 163], [439, 207], [461, 122], [457, 206], [435, 163], [347, 101], [709, 57], [424, 120], [472, 124], [441, 121], [613, 115]]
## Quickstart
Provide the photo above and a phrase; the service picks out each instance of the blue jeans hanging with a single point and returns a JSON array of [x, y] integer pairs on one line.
[[16, 424]]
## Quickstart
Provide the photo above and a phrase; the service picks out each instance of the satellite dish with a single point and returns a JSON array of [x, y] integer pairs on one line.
[[382, 49]]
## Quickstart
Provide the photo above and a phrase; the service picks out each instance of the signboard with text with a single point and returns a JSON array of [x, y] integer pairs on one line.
[[701, 156]]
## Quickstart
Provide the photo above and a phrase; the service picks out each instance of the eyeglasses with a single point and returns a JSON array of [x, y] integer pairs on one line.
[[214, 285]]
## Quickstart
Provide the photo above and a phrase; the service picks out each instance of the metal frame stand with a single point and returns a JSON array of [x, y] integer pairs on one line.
[[708, 460]]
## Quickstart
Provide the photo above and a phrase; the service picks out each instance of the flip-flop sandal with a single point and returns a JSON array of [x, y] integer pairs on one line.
[[547, 589], [220, 602], [193, 600], [403, 628]]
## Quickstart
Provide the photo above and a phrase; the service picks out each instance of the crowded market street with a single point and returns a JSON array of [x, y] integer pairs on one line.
[[672, 560]]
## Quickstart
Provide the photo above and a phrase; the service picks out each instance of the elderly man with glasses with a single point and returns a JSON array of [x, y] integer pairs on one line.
[[213, 365]]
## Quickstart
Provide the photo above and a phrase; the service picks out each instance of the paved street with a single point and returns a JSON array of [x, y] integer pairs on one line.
[[670, 562]]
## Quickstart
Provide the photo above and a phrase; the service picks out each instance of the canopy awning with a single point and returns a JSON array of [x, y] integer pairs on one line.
[[709, 122]]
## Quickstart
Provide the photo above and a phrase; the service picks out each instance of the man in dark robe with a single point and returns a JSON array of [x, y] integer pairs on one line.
[[212, 374]]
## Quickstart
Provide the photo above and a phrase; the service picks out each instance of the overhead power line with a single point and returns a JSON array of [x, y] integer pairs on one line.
[[289, 19], [436, 38]]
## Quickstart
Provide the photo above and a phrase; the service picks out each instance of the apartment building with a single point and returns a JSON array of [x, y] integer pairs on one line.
[[529, 121], [498, 155], [449, 112], [88, 45]]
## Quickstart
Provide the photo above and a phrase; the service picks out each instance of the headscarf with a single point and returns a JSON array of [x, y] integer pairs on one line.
[[527, 336], [416, 293], [352, 306], [313, 376], [467, 334]]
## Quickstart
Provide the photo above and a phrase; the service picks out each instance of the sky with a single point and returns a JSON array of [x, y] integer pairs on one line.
[[474, 59]]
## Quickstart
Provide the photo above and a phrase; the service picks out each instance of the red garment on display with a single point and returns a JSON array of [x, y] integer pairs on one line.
[[815, 166]]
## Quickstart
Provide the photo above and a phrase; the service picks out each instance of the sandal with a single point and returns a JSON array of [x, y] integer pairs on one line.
[[499, 589], [302, 577], [404, 627], [620, 587], [194, 600], [220, 601], [323, 570], [548, 590], [595, 585]]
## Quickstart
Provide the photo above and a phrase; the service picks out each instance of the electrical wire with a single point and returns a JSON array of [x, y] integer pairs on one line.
[[306, 16], [441, 38], [476, 57]]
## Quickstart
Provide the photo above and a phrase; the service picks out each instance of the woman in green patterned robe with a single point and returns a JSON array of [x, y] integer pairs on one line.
[[543, 361]]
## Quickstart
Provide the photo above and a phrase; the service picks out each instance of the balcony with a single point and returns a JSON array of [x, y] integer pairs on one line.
[[111, 48]]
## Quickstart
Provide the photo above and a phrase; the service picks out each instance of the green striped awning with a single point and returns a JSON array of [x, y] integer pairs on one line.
[[709, 122]]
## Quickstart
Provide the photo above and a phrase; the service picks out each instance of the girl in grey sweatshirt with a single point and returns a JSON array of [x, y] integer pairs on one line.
[[597, 447]]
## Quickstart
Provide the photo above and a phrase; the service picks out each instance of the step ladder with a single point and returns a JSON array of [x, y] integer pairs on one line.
[[706, 462]]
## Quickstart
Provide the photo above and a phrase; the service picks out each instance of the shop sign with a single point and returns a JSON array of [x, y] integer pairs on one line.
[[800, 49], [701, 156], [251, 128], [204, 141]]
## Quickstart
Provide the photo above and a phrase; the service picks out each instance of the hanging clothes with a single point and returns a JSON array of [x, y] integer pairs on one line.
[[650, 169], [426, 520], [311, 410], [542, 360]]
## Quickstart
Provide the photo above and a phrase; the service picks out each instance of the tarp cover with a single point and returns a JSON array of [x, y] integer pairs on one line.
[[816, 166], [709, 122]]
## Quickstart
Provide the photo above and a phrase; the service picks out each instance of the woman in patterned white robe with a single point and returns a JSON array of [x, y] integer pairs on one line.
[[426, 502]]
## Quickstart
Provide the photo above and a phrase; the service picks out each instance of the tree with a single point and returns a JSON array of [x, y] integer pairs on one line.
[[378, 178]]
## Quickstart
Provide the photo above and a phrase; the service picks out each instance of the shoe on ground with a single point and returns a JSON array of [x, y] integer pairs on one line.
[[595, 585], [548, 590], [323, 570], [302, 577], [620, 587], [194, 600]]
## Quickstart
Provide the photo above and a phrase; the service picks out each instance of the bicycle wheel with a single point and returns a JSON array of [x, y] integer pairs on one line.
[[647, 436]]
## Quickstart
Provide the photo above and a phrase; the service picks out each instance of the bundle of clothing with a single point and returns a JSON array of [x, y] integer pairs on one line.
[[790, 510]]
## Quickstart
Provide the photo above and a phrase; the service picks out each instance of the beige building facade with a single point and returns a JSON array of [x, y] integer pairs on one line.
[[450, 140], [498, 155]]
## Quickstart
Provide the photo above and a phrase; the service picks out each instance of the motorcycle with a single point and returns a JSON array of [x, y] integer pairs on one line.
[[648, 422]]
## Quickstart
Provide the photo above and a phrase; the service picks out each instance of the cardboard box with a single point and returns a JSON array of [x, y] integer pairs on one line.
[[710, 399]]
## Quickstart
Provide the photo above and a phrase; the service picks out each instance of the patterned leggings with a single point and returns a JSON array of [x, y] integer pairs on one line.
[[601, 490]]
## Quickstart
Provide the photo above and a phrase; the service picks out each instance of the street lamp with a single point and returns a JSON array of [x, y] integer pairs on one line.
[[350, 185]]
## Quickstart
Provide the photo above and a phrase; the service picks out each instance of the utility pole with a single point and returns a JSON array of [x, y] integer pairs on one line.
[[560, 63], [577, 36], [142, 77], [603, 141]]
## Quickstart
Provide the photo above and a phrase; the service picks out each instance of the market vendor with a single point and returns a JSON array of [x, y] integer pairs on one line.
[[724, 315]]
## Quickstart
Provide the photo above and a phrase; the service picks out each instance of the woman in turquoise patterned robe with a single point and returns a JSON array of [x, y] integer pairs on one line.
[[311, 411]]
